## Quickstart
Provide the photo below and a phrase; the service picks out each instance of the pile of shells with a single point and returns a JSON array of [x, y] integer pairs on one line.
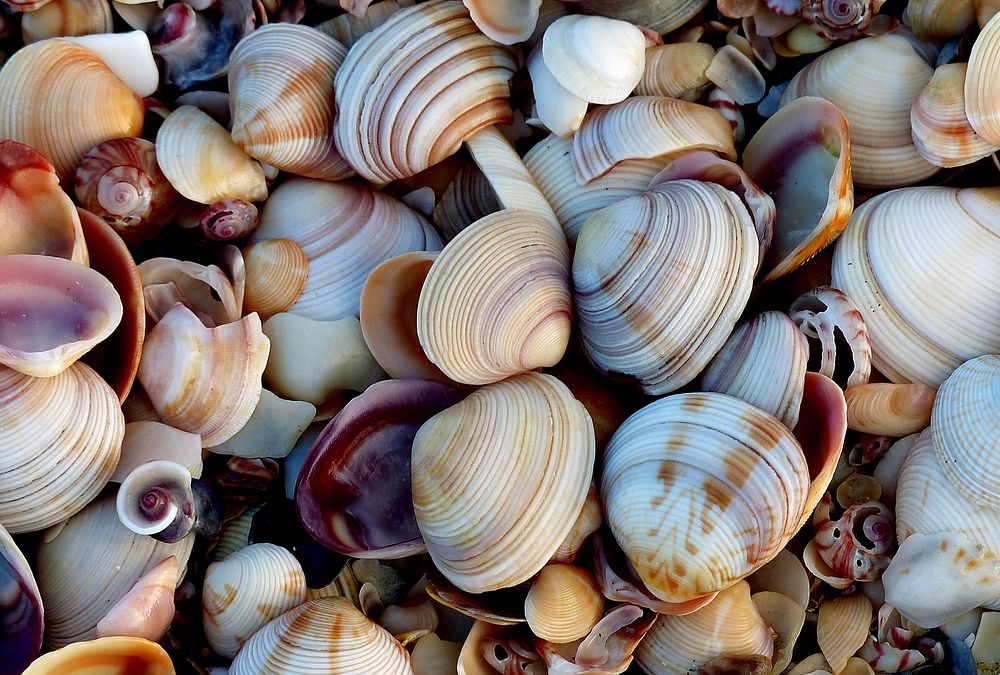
[[459, 337]]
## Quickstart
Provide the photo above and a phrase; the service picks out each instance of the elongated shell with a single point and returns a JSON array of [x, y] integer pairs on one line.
[[564, 603], [920, 264], [391, 123], [204, 380], [281, 96], [941, 130], [527, 431], [62, 100], [326, 635], [105, 655], [633, 311], [982, 97], [889, 409], [496, 301]]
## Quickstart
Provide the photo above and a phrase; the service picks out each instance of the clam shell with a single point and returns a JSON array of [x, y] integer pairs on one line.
[[61, 18], [325, 635], [505, 22], [496, 301], [559, 110], [940, 20], [564, 603], [105, 655], [676, 70], [784, 575], [843, 628], [21, 611], [733, 72], [128, 55], [62, 100], [348, 28], [277, 270], [281, 96], [468, 197], [205, 290], [662, 16], [530, 429], [941, 131], [785, 617], [889, 409], [981, 93]]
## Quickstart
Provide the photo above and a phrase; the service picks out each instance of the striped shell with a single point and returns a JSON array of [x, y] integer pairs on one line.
[[276, 271]]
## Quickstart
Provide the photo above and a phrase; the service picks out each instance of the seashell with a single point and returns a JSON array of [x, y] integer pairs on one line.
[[940, 20], [784, 575], [857, 545], [646, 127], [202, 162], [733, 72], [415, 613], [492, 649], [822, 314], [345, 230], [204, 380], [728, 626], [857, 488], [205, 290], [508, 22], [348, 29], [61, 18], [986, 648], [764, 363], [643, 339], [558, 109], [315, 360], [120, 181], [724, 104], [26, 5], [21, 610], [53, 312], [432, 655], [843, 628], [496, 608], [608, 647], [676, 70], [985, 10], [892, 409], [150, 441], [281, 96], [481, 318], [785, 617], [228, 219], [802, 158], [235, 535], [67, 554], [147, 610], [59, 439], [272, 429], [941, 131], [839, 20], [55, 82], [139, 17], [129, 57], [160, 499], [520, 425], [428, 124], [247, 590], [882, 150], [276, 271], [897, 293], [564, 603], [662, 16], [468, 197], [887, 470], [108, 655], [980, 91], [327, 634], [587, 522]]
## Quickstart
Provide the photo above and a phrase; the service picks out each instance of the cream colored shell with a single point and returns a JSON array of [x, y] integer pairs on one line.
[[842, 628], [895, 410], [982, 95], [941, 130], [676, 70], [563, 604]]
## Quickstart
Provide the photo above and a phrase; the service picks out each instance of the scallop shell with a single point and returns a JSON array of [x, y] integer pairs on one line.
[[564, 603], [505, 22], [676, 70], [981, 93], [941, 131], [345, 230], [925, 314], [204, 380], [889, 409], [496, 301], [530, 429], [276, 270], [661, 322], [61, 18], [281, 96], [385, 134], [325, 635], [62, 100], [843, 628], [105, 655]]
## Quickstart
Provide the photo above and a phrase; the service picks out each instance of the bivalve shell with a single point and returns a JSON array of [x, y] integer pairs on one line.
[[895, 410], [506, 22], [564, 603], [843, 628], [676, 70], [662, 16], [982, 96], [21, 611], [941, 130], [276, 270], [108, 656], [61, 18]]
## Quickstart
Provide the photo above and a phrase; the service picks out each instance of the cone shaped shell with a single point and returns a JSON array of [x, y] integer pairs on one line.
[[204, 380], [345, 230], [326, 635], [414, 88], [62, 100], [281, 96], [941, 130], [276, 270], [499, 480], [982, 94], [564, 603], [496, 301], [506, 22], [660, 280], [108, 655], [701, 490], [926, 313]]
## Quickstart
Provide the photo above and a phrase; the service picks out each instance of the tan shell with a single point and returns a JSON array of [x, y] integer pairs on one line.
[[386, 134], [105, 655], [206, 290], [982, 97], [527, 432], [785, 617], [281, 96], [941, 131], [587, 522], [148, 441], [60, 439], [432, 655], [327, 635], [676, 70], [843, 628], [60, 18], [785, 575], [276, 271], [468, 197], [662, 16], [940, 20], [505, 22], [496, 301], [62, 100], [204, 380], [889, 409], [563, 604]]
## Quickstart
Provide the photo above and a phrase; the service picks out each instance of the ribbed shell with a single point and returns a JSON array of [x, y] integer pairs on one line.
[[414, 88], [764, 363], [662, 16], [105, 655], [940, 20], [247, 590], [564, 603], [276, 271], [701, 490], [281, 97], [730, 625], [348, 29], [920, 264], [89, 564], [60, 439], [842, 628], [660, 280], [676, 70], [895, 410], [496, 301], [61, 18], [467, 198], [62, 100], [499, 480], [345, 230], [982, 94], [941, 131], [327, 635]]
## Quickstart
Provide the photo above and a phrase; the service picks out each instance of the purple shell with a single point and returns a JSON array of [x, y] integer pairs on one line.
[[353, 492], [20, 610]]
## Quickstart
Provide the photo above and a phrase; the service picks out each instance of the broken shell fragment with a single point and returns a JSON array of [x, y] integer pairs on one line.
[[733, 72], [895, 410], [272, 429], [111, 655], [147, 610], [662, 16], [825, 314], [128, 55], [857, 545], [206, 291]]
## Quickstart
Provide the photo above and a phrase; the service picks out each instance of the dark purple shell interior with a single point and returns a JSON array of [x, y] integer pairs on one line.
[[353, 492], [20, 614]]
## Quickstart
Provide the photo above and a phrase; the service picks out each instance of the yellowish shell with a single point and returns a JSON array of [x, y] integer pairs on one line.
[[982, 94], [506, 22], [105, 656], [60, 18], [564, 603], [276, 271], [940, 20], [843, 628], [895, 410], [676, 70]]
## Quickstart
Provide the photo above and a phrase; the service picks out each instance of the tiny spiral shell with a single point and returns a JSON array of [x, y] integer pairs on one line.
[[840, 19]]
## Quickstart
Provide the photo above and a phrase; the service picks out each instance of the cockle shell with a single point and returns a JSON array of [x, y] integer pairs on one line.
[[62, 100], [505, 22], [328, 635], [676, 70], [276, 272], [61, 18], [378, 99], [515, 427], [204, 380], [824, 313], [941, 130], [925, 315], [345, 230], [564, 603], [633, 312], [496, 301], [842, 628], [982, 98], [891, 409], [21, 611], [281, 96], [105, 655], [468, 197]]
